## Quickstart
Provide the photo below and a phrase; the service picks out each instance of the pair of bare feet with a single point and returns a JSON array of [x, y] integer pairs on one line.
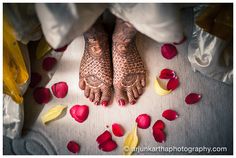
[[101, 70]]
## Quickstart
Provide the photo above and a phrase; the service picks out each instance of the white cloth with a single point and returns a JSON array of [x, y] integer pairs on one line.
[[13, 117], [160, 22], [24, 21], [61, 23], [210, 55]]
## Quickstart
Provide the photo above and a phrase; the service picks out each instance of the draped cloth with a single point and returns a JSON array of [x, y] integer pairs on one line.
[[61, 23]]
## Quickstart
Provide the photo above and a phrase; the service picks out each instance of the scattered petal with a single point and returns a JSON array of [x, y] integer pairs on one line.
[[167, 74], [170, 114], [48, 63], [35, 79], [159, 124], [159, 135], [193, 98], [108, 146], [159, 90], [117, 130], [143, 121], [73, 147], [62, 49], [79, 112], [104, 137], [168, 51], [42, 95], [60, 89], [53, 113], [131, 141], [173, 83], [180, 42]]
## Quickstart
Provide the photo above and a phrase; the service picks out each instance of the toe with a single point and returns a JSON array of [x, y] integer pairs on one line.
[[135, 92], [139, 88], [106, 95], [143, 81], [97, 96], [120, 96], [87, 91], [131, 96], [81, 84], [91, 96]]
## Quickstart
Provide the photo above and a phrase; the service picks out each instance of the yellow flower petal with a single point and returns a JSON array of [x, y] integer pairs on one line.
[[53, 113], [131, 141], [159, 90]]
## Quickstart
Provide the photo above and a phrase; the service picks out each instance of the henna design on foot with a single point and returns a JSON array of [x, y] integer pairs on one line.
[[95, 67], [129, 73]]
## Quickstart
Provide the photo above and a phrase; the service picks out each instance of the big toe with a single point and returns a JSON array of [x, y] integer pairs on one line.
[[120, 96], [106, 96]]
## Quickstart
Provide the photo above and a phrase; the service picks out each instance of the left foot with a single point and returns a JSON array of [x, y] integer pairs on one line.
[[95, 68], [129, 77]]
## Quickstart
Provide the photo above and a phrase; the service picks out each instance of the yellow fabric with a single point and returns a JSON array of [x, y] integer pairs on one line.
[[217, 19], [42, 48], [14, 68]]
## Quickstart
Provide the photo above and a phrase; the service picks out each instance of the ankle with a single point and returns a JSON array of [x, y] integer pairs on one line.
[[125, 35], [123, 27]]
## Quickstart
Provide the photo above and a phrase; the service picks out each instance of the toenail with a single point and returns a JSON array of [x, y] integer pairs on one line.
[[91, 100], [121, 102], [104, 103], [133, 102], [96, 103]]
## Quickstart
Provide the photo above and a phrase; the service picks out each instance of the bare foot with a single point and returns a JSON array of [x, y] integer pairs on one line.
[[95, 68], [129, 77]]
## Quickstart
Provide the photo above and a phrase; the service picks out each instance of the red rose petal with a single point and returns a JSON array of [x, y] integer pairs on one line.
[[159, 124], [168, 51], [117, 130], [167, 74], [173, 83], [104, 137], [79, 112], [143, 121], [180, 42], [62, 49], [170, 114], [35, 79], [60, 89], [108, 146], [159, 135], [48, 63], [192, 98], [42, 95], [73, 147]]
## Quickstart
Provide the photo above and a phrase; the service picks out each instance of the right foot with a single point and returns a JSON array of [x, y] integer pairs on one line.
[[129, 77], [95, 67]]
